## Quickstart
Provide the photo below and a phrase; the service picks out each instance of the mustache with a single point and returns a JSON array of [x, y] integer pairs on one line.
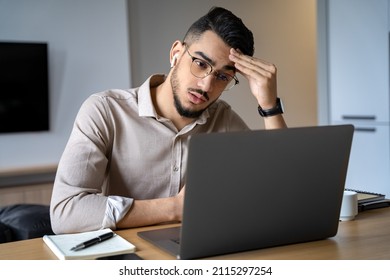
[[201, 92]]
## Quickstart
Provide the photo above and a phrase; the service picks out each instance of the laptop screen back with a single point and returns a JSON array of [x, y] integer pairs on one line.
[[257, 189]]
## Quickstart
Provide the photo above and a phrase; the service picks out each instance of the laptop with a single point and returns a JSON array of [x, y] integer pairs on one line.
[[258, 189]]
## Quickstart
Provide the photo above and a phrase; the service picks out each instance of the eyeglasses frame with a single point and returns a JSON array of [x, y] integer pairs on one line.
[[212, 71]]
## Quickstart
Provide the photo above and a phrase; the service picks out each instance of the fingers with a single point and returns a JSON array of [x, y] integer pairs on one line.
[[251, 66], [261, 76]]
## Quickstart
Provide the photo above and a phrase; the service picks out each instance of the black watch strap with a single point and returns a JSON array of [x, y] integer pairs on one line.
[[277, 110]]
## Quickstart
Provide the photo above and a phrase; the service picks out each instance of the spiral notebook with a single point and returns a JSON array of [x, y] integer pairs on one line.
[[370, 200], [365, 196], [61, 245]]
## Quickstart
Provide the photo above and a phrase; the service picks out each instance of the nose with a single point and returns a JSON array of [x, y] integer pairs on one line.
[[206, 83]]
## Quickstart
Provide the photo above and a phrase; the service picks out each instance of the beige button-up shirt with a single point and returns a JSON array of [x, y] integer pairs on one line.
[[120, 150]]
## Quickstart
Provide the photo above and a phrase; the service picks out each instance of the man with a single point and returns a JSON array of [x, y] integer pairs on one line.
[[125, 162]]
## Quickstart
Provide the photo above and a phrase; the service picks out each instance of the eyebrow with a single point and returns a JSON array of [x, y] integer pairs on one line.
[[212, 62]]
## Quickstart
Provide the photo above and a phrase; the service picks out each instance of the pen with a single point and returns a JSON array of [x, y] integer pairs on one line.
[[93, 241]]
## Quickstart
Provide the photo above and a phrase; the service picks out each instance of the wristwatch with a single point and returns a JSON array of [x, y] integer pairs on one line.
[[277, 110]]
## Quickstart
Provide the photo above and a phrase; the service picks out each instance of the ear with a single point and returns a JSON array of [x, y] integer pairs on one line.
[[175, 52]]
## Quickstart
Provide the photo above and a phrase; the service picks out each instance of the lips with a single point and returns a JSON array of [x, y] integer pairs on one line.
[[196, 98]]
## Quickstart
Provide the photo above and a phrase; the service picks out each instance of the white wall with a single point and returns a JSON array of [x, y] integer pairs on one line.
[[285, 34], [88, 52]]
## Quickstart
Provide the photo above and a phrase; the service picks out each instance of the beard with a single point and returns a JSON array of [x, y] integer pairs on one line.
[[184, 112]]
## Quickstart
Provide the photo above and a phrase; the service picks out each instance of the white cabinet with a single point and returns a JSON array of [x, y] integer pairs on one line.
[[358, 86], [359, 60]]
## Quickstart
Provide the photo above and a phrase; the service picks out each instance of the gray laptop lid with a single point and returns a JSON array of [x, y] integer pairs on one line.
[[258, 189]]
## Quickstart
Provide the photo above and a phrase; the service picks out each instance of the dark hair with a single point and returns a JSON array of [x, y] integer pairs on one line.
[[226, 25]]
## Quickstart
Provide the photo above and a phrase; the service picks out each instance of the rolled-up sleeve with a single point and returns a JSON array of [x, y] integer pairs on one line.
[[116, 208]]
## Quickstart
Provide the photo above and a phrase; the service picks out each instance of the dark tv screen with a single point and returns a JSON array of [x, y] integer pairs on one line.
[[24, 87]]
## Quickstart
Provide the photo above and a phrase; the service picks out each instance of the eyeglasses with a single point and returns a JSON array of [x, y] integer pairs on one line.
[[201, 69]]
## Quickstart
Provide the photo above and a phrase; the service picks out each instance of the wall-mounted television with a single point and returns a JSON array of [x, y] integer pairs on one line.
[[24, 87]]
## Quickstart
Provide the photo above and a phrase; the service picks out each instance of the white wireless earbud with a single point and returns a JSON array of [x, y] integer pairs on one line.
[[173, 61]]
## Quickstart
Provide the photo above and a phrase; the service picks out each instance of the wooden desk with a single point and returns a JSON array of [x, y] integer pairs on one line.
[[367, 237]]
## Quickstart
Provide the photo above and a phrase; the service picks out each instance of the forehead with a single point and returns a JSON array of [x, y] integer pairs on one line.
[[213, 47]]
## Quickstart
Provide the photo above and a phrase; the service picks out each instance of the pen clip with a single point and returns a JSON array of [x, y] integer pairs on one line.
[[93, 241]]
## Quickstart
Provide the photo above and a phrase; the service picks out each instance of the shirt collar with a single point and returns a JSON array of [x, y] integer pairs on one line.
[[145, 103]]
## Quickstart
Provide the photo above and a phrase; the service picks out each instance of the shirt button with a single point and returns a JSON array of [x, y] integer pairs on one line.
[[175, 168]]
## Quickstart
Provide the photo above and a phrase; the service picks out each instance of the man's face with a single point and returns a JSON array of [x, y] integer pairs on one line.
[[193, 95]]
